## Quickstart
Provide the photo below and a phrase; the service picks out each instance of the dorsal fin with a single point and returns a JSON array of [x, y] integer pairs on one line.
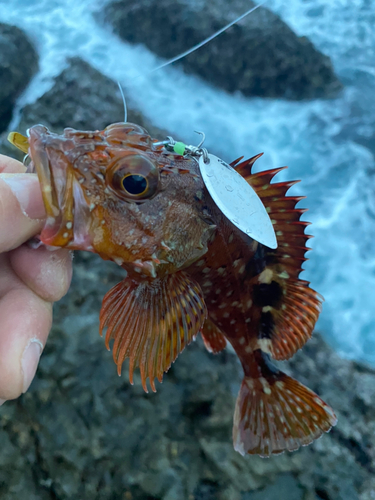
[[285, 307]]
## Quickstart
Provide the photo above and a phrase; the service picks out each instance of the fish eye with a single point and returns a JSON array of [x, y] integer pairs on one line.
[[135, 184], [134, 177]]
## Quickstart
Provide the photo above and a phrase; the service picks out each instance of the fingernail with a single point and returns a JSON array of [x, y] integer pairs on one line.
[[2, 401], [24, 189], [30, 362]]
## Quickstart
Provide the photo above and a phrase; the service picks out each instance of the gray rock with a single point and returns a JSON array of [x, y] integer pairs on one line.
[[82, 98], [260, 56], [83, 432], [18, 63], [285, 486]]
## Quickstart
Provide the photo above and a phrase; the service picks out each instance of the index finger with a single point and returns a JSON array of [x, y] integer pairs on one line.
[[21, 206], [10, 165]]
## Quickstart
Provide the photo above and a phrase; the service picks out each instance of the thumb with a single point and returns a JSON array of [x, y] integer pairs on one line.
[[22, 211]]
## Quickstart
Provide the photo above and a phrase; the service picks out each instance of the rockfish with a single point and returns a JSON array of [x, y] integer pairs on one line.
[[190, 270]]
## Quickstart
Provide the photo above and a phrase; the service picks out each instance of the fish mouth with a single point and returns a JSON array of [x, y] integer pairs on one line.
[[66, 223], [41, 164]]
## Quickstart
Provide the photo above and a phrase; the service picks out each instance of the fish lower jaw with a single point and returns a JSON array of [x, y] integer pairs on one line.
[[59, 233]]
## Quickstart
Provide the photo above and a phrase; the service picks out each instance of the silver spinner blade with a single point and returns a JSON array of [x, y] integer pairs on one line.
[[237, 200]]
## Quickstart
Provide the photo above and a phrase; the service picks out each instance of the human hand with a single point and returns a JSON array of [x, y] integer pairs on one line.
[[30, 279]]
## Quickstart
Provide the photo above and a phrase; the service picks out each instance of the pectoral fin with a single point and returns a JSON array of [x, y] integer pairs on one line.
[[151, 322]]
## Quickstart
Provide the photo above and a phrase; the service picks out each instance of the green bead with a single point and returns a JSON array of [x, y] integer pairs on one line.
[[179, 148]]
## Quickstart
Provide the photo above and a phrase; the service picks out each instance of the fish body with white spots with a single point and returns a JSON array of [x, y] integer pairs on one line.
[[189, 270]]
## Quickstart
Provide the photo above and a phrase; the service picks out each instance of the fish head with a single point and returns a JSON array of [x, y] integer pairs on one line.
[[114, 193]]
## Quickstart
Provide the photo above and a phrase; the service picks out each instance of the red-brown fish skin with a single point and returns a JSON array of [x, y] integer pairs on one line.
[[189, 270], [257, 302], [81, 166]]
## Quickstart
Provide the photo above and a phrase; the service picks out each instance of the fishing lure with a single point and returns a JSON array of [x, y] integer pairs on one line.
[[236, 199]]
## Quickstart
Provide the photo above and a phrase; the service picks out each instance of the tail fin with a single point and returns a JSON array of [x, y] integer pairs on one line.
[[272, 416]]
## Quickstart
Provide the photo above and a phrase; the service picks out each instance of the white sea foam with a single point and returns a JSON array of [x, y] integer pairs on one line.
[[319, 140]]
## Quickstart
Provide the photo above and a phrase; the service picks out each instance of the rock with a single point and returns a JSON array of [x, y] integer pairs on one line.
[[259, 56], [18, 63], [81, 98], [285, 486], [83, 432], [84, 99]]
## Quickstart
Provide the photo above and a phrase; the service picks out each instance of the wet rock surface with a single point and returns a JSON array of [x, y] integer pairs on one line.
[[18, 63], [259, 56], [82, 98], [83, 432]]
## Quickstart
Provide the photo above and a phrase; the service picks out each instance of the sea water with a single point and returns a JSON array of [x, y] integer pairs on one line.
[[328, 144]]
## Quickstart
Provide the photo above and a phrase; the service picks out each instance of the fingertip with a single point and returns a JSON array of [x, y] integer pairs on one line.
[[26, 189], [20, 197], [10, 165]]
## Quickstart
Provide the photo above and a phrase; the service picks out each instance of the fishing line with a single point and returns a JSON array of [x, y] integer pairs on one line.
[[124, 102], [192, 49], [206, 40]]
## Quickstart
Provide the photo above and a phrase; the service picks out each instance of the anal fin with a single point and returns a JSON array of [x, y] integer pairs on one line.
[[151, 322]]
